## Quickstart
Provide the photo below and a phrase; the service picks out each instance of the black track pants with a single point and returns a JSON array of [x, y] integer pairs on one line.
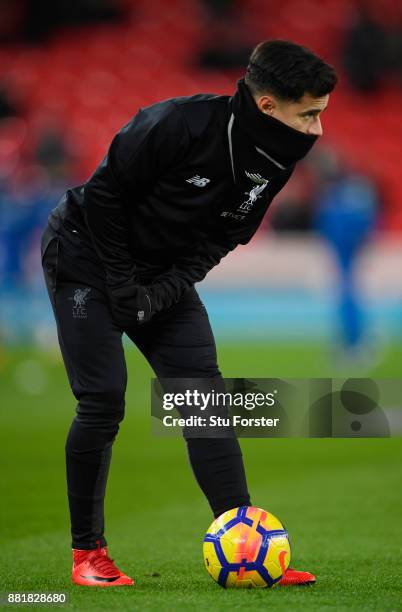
[[178, 343]]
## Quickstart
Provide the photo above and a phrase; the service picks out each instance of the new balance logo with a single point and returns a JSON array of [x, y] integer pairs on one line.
[[198, 181]]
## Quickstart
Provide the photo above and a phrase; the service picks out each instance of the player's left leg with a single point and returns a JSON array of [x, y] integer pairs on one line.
[[179, 344]]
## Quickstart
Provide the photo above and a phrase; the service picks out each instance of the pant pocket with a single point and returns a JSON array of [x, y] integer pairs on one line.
[[50, 261]]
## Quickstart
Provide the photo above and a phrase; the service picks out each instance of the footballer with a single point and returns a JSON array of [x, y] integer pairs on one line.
[[182, 184]]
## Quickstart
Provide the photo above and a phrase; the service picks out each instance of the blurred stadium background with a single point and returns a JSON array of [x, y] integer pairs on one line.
[[318, 292], [325, 267]]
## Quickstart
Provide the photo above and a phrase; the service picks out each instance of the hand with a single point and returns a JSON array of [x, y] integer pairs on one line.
[[131, 305]]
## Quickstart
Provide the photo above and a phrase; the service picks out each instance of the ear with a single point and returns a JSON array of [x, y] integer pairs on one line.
[[266, 104]]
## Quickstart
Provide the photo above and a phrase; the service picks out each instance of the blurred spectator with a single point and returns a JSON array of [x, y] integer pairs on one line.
[[33, 175], [13, 135], [51, 154], [7, 106], [368, 51], [24, 208], [292, 210], [345, 217], [395, 50], [226, 44]]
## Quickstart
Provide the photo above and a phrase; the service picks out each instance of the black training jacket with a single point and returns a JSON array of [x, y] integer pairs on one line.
[[183, 183]]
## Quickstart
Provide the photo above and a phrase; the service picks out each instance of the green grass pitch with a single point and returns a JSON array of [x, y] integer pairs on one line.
[[339, 499]]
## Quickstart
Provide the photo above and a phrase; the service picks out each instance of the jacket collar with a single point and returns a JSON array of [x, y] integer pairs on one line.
[[281, 144]]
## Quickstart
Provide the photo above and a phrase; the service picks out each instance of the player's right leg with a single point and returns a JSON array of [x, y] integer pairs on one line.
[[92, 351]]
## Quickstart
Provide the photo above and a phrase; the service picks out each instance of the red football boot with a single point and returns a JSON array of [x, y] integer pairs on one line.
[[95, 568], [293, 577]]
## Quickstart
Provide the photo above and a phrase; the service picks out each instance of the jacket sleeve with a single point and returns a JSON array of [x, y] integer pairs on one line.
[[168, 287], [188, 270], [153, 141]]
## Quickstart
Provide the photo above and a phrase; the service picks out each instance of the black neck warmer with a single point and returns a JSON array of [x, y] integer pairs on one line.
[[283, 143]]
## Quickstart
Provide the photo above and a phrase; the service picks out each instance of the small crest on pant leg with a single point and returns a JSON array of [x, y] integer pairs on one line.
[[80, 306]]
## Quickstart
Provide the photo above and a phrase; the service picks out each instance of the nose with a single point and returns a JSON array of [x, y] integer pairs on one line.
[[315, 128]]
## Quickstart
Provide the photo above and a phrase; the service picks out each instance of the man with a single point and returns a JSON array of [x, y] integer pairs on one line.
[[122, 253]]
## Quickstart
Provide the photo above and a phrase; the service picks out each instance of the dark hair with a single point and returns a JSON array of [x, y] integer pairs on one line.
[[288, 71]]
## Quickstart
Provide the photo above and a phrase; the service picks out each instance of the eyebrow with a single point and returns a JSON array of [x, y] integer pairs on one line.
[[314, 111]]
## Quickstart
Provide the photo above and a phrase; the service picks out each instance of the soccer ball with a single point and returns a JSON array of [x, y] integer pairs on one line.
[[246, 547]]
